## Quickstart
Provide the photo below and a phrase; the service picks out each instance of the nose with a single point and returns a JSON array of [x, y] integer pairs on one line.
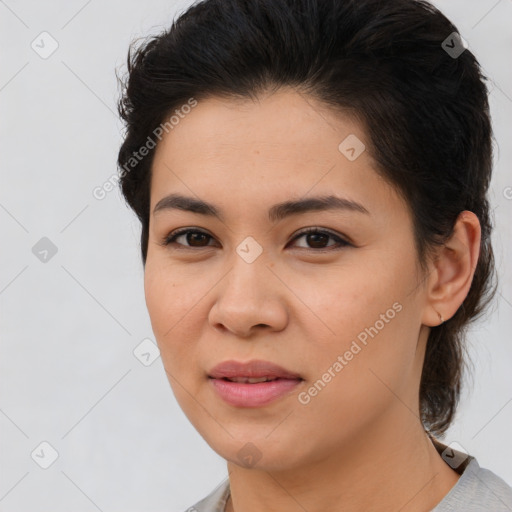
[[249, 298]]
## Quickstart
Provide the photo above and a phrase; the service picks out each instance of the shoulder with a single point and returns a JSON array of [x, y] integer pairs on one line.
[[215, 501], [478, 489]]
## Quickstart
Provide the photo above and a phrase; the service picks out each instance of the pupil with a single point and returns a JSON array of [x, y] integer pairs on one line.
[[192, 235], [313, 238]]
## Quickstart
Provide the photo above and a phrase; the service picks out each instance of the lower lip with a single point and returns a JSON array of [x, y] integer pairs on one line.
[[253, 395]]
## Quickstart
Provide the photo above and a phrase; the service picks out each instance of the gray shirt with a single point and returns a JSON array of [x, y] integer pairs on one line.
[[477, 490]]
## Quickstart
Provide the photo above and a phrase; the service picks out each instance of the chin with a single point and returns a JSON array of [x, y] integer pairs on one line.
[[252, 452]]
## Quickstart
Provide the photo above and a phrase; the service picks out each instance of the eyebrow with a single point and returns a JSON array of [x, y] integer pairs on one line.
[[276, 213]]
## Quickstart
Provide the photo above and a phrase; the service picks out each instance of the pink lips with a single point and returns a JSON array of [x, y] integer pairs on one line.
[[252, 395]]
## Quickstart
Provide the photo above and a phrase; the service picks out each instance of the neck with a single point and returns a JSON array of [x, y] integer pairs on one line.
[[379, 470]]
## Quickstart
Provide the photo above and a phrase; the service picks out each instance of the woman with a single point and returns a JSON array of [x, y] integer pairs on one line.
[[311, 178]]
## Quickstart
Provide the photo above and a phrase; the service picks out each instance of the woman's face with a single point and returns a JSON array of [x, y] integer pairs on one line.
[[341, 309]]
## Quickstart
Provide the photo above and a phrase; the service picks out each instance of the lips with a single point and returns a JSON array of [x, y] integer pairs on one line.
[[253, 384], [251, 370]]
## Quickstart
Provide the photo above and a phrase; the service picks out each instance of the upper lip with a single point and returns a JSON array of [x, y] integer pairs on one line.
[[251, 369]]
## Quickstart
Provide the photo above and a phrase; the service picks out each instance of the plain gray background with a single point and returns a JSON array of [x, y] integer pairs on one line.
[[69, 326]]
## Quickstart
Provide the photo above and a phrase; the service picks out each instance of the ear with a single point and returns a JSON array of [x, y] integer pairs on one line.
[[453, 270]]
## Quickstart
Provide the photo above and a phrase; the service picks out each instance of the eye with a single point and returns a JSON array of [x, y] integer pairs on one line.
[[193, 237], [316, 237]]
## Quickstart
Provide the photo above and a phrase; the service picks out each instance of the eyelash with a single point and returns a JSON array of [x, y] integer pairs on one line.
[[171, 237]]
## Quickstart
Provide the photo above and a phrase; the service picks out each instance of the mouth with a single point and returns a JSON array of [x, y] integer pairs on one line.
[[250, 380], [252, 384], [251, 370]]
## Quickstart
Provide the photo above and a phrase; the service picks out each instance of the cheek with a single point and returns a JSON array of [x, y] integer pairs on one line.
[[355, 381], [368, 323], [172, 300], [349, 301], [169, 294]]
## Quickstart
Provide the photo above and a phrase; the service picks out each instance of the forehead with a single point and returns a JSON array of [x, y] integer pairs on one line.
[[283, 144], [222, 128]]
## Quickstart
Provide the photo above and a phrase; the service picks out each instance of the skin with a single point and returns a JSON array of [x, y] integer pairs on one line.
[[358, 444]]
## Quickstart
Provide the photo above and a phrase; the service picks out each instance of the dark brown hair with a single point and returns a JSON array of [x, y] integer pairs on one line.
[[425, 110]]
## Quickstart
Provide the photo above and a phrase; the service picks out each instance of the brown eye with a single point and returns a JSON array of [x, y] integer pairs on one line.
[[318, 239], [196, 238], [191, 237]]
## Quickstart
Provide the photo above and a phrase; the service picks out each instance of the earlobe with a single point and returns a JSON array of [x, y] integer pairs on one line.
[[453, 271]]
